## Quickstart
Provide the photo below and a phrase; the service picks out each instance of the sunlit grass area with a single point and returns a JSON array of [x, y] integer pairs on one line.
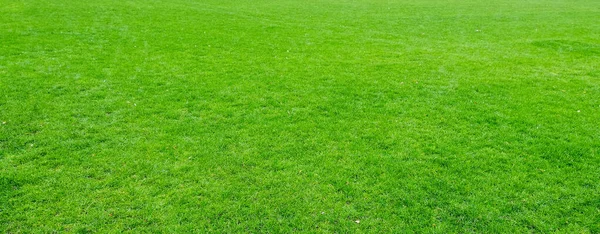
[[286, 116]]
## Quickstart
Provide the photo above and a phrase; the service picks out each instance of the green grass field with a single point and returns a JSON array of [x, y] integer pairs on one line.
[[378, 116]]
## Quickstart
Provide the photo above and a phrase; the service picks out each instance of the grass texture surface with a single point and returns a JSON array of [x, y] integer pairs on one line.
[[376, 116]]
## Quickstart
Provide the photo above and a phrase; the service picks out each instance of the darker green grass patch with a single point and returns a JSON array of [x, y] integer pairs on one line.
[[7, 186], [567, 46], [8, 190]]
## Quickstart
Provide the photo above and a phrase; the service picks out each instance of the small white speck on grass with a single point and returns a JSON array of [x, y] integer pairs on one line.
[[3, 122], [578, 111], [30, 145], [357, 221], [477, 30], [322, 212], [134, 104]]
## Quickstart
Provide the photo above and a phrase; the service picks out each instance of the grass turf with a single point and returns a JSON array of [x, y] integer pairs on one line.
[[305, 116]]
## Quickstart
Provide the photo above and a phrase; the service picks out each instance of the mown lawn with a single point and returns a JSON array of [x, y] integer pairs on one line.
[[379, 116]]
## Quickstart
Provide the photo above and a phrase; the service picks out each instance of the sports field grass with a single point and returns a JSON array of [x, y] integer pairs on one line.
[[300, 116]]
